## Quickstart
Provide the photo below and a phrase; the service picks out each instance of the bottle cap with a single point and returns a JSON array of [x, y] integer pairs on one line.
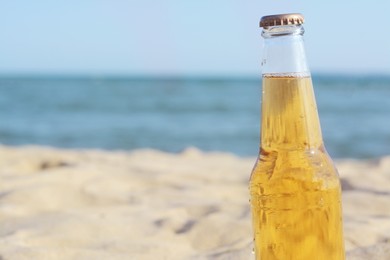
[[281, 19]]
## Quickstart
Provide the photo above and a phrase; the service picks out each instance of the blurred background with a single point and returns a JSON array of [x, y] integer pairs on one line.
[[172, 74]]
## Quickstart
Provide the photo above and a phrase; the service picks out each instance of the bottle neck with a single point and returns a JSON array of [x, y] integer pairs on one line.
[[284, 51], [289, 112]]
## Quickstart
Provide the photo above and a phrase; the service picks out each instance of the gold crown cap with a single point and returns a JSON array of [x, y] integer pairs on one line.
[[281, 19]]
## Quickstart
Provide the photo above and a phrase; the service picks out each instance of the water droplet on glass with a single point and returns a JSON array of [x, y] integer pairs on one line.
[[321, 202]]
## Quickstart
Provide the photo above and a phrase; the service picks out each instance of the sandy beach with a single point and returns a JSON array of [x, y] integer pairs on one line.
[[147, 204]]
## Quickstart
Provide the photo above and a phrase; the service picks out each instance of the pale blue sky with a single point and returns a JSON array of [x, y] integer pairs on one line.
[[183, 37]]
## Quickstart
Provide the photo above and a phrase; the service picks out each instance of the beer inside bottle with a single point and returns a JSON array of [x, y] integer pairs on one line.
[[294, 186]]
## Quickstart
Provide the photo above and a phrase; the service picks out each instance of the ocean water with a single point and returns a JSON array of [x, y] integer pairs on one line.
[[171, 114]]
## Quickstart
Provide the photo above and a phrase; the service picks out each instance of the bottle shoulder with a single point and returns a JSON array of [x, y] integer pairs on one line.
[[298, 166]]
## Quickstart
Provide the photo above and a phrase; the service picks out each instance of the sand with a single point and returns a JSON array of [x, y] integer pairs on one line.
[[146, 204]]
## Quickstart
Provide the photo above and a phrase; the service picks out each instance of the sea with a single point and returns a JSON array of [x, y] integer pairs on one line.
[[174, 113]]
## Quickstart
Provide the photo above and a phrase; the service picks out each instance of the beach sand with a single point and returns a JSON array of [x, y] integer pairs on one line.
[[147, 204]]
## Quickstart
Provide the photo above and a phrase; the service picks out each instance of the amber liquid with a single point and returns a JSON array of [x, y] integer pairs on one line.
[[294, 186]]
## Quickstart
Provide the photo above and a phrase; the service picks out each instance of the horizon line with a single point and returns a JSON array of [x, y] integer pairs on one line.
[[156, 76]]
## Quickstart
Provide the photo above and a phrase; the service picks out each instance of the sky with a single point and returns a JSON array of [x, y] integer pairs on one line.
[[185, 38]]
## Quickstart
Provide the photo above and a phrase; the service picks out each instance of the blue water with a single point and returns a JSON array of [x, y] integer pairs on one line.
[[215, 114]]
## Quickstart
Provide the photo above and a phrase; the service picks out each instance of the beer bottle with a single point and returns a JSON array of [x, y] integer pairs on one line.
[[294, 186]]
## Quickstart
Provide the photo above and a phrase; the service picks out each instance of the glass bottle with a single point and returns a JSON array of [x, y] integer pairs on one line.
[[294, 186]]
